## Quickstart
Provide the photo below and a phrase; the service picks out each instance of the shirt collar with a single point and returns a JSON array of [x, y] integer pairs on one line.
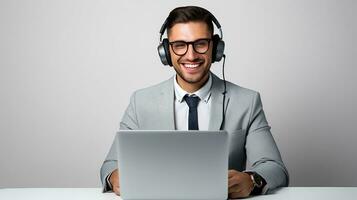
[[204, 93]]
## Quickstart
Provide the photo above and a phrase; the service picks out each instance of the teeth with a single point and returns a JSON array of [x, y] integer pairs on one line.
[[191, 65]]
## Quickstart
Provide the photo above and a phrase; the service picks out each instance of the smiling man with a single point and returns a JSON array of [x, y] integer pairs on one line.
[[195, 98], [191, 60]]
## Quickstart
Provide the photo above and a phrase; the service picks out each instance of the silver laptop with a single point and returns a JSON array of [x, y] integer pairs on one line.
[[173, 164]]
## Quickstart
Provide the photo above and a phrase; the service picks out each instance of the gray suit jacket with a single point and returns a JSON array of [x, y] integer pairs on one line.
[[251, 148]]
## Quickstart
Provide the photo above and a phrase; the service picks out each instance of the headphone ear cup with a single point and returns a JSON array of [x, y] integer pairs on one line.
[[167, 51], [218, 48], [164, 52]]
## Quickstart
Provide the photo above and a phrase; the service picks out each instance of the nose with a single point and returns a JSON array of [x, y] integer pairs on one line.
[[191, 53]]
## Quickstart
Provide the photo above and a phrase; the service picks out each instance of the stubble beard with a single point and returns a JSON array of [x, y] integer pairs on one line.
[[192, 80]]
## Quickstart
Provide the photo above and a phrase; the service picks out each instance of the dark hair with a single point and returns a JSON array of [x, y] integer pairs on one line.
[[189, 14]]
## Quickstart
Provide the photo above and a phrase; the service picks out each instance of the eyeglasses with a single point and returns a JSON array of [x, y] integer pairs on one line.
[[200, 46]]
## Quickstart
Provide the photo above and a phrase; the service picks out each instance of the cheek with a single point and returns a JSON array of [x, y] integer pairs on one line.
[[208, 56], [173, 57]]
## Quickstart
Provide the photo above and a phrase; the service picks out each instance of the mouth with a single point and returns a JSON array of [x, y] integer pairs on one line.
[[191, 67]]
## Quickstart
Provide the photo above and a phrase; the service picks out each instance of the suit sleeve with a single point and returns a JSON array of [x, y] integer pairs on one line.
[[128, 122], [263, 155]]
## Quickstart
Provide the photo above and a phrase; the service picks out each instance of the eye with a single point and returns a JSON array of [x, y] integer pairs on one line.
[[179, 45], [201, 43]]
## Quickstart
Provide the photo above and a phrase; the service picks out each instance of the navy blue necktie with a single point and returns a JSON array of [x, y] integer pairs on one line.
[[192, 103]]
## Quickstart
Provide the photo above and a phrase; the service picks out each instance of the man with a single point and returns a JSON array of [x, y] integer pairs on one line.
[[255, 164]]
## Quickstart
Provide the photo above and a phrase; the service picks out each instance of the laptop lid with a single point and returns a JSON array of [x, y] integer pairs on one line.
[[173, 164]]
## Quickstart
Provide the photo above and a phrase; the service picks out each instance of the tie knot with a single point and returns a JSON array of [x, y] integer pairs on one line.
[[192, 101]]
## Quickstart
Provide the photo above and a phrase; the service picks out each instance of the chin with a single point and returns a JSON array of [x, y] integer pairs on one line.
[[194, 78]]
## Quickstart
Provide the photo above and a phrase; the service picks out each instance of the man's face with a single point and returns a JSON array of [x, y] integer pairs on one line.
[[192, 68]]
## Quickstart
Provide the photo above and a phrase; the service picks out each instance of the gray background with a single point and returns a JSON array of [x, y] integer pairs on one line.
[[67, 69]]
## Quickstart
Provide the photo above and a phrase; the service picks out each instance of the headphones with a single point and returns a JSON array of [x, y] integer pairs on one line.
[[217, 51]]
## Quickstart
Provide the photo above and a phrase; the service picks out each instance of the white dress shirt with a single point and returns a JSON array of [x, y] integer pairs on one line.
[[203, 107]]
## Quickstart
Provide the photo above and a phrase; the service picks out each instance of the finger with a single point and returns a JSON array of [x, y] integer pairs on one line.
[[241, 194], [235, 188], [116, 190], [240, 187], [236, 177], [231, 173], [234, 195], [234, 181]]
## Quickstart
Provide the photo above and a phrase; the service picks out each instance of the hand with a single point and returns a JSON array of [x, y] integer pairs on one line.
[[239, 184], [114, 180]]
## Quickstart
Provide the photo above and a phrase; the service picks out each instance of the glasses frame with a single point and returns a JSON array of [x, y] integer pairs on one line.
[[191, 43]]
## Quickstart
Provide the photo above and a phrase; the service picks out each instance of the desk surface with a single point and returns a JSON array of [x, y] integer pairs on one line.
[[298, 193]]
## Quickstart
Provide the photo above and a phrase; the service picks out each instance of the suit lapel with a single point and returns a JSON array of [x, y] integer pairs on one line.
[[166, 106], [217, 89]]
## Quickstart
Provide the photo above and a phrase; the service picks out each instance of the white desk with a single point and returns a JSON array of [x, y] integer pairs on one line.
[[298, 193]]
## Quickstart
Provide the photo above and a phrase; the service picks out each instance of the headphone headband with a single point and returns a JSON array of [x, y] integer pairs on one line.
[[214, 20]]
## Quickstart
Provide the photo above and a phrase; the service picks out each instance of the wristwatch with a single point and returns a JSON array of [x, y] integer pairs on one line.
[[258, 182], [257, 179]]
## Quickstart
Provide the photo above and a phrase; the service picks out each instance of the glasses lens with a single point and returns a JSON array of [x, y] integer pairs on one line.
[[179, 47], [201, 46]]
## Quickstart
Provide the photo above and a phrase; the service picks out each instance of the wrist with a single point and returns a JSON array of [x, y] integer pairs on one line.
[[257, 181]]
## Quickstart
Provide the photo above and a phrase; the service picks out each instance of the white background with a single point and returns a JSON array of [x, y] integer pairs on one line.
[[67, 69]]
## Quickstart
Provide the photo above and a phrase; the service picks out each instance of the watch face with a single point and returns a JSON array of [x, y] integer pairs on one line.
[[258, 180]]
